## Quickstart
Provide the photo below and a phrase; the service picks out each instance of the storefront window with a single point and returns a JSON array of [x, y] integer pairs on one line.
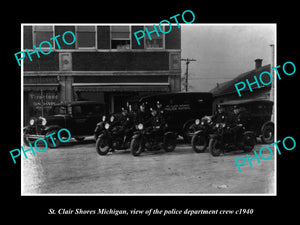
[[41, 103]]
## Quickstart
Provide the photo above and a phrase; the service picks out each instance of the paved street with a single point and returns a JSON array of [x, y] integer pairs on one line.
[[76, 168]]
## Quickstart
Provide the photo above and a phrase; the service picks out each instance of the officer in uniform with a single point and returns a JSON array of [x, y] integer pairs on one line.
[[157, 122], [220, 115], [237, 121], [159, 108], [142, 116], [126, 122]]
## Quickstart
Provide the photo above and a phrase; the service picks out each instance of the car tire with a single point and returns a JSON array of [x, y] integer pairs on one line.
[[57, 143], [267, 135]]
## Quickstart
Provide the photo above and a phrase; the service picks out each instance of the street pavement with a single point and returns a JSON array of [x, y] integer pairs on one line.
[[76, 168]]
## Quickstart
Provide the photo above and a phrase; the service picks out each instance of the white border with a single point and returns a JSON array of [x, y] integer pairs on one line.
[[157, 194]]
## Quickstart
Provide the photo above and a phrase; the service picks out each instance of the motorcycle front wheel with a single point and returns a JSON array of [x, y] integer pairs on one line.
[[214, 147], [102, 146], [199, 143], [136, 146]]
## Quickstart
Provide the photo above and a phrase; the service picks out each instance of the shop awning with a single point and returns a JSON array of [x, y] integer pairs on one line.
[[139, 87], [39, 87]]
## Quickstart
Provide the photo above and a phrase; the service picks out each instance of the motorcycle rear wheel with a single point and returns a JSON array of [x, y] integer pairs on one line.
[[169, 144], [248, 142], [214, 147]]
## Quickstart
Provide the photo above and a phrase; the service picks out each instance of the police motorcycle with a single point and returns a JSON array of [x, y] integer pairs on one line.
[[224, 139], [201, 129], [100, 127], [113, 137], [152, 137]]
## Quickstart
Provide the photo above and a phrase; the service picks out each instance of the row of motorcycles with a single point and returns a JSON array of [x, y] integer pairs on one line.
[[220, 137], [111, 135]]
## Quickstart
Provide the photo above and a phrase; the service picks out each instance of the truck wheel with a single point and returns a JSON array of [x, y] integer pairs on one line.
[[102, 146]]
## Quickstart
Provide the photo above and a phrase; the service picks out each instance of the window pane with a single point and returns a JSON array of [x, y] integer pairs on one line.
[[43, 28], [154, 34], [120, 29], [86, 28], [85, 39], [120, 35], [43, 36], [120, 32], [154, 43]]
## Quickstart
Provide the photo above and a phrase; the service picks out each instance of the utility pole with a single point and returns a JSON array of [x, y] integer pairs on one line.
[[187, 62]]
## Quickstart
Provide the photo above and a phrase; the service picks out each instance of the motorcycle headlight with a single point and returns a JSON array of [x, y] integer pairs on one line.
[[208, 119], [44, 121], [140, 126], [106, 126], [112, 118], [31, 122], [197, 121]]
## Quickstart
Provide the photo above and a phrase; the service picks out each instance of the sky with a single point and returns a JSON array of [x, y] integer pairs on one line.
[[224, 51]]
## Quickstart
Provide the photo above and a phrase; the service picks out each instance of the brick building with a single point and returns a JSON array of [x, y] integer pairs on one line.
[[105, 64]]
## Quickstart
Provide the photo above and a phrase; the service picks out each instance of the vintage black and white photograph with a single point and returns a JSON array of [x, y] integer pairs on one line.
[[148, 109]]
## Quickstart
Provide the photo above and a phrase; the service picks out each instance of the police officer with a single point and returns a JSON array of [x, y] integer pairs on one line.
[[125, 119], [126, 122], [237, 121], [159, 108], [142, 116], [157, 122], [220, 115]]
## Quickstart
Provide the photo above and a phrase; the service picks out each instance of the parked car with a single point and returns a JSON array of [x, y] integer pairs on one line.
[[181, 109], [258, 113], [79, 117]]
